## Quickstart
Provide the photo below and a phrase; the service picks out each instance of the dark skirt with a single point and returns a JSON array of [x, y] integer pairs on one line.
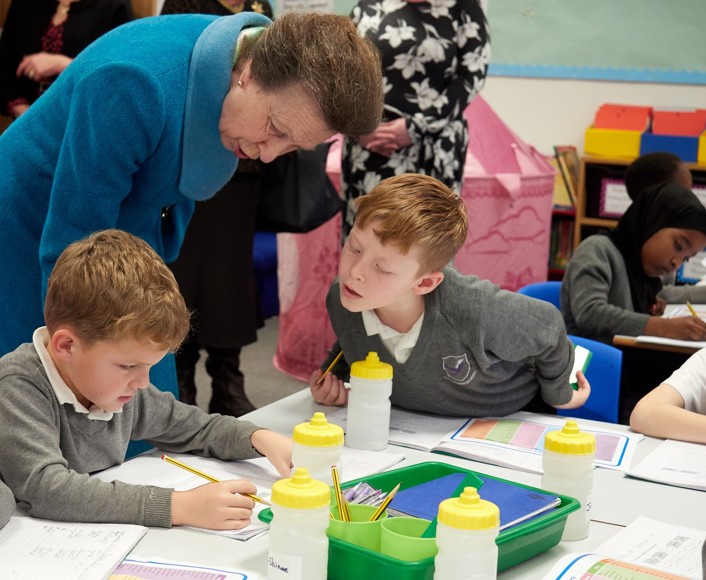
[[215, 266]]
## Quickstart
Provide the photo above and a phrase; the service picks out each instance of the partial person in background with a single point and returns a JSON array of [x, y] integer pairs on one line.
[[654, 168], [676, 409], [41, 37], [215, 265], [435, 56]]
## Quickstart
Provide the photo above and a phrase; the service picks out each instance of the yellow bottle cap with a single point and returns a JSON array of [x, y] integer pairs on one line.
[[469, 512], [371, 368], [300, 491], [318, 432], [570, 440]]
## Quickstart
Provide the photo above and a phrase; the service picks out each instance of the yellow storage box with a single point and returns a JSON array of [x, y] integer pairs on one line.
[[612, 143]]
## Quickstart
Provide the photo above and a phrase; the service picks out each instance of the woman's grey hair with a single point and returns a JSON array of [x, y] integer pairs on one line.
[[324, 54]]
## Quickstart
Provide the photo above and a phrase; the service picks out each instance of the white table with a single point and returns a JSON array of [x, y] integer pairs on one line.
[[617, 501]]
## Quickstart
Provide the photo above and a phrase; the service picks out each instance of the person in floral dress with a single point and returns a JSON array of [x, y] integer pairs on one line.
[[435, 56]]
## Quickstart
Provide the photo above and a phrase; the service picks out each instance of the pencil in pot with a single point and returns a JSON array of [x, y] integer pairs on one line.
[[385, 503], [208, 477], [343, 513]]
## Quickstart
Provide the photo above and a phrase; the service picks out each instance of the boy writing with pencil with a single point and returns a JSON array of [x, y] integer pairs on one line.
[[458, 345], [72, 399]]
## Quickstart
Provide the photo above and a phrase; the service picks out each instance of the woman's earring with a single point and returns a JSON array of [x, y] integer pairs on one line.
[[240, 83]]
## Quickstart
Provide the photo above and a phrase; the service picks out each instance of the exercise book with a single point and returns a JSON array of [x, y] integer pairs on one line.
[[516, 503], [34, 548], [515, 441]]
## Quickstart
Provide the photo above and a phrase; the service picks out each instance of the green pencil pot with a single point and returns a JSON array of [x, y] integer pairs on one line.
[[515, 545]]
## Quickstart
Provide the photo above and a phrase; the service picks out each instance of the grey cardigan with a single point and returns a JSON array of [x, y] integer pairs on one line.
[[595, 293]]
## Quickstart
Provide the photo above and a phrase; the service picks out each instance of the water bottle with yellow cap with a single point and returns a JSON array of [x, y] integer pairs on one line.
[[317, 445], [465, 535], [298, 547], [568, 470], [368, 422]]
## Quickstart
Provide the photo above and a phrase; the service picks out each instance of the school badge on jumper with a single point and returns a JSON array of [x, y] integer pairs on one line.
[[458, 369]]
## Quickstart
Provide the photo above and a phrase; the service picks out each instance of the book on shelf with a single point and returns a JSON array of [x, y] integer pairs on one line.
[[561, 198], [568, 163], [561, 243], [515, 441], [643, 550], [516, 503]]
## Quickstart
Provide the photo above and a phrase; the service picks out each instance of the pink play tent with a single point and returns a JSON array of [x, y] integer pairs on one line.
[[507, 188]]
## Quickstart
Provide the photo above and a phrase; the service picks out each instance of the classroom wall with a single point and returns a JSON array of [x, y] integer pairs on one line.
[[546, 112]]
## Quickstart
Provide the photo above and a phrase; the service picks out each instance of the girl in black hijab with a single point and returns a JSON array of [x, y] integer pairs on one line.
[[659, 207], [613, 285]]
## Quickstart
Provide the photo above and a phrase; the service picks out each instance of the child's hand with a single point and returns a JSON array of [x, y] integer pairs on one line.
[[331, 391], [658, 306], [214, 506], [276, 447], [580, 396], [681, 327]]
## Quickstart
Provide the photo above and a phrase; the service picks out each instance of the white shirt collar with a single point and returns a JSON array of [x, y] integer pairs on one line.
[[400, 344], [63, 393]]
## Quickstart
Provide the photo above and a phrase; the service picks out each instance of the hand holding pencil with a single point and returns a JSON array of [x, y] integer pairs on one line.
[[326, 388], [690, 327], [222, 505]]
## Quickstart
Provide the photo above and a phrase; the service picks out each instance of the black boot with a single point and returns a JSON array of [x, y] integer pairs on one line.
[[186, 358], [228, 383]]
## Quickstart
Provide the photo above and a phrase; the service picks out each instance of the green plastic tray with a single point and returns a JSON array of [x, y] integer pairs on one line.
[[515, 545]]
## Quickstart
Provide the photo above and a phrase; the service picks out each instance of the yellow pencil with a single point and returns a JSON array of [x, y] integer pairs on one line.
[[208, 477], [385, 503], [329, 367], [343, 513], [691, 309]]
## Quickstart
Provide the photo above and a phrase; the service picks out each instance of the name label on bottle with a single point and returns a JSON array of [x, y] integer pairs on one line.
[[284, 566]]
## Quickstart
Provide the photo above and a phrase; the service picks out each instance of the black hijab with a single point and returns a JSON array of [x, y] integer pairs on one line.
[[666, 205]]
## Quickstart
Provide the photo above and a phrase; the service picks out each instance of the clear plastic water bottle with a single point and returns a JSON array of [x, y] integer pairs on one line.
[[368, 423], [568, 470], [465, 536], [317, 446], [300, 515]]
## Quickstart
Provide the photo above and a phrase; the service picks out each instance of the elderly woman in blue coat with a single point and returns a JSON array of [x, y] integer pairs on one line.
[[153, 117]]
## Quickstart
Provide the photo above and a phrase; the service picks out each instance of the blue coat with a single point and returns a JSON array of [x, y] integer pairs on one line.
[[127, 137]]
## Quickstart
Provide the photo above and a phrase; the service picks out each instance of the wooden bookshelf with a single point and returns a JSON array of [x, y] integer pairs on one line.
[[592, 171]]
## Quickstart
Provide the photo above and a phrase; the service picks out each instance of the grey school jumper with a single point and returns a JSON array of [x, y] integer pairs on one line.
[[7, 504], [48, 449], [482, 351], [595, 293]]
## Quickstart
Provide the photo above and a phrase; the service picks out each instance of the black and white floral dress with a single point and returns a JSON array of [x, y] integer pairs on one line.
[[435, 56]]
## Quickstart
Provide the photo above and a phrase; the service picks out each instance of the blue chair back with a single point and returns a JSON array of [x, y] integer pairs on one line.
[[547, 291], [603, 373]]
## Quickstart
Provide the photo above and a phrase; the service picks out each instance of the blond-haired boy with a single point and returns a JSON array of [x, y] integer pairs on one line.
[[72, 399], [458, 345]]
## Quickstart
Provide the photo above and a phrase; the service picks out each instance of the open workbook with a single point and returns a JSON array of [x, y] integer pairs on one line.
[[34, 548], [514, 441], [149, 469], [646, 549], [675, 463]]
